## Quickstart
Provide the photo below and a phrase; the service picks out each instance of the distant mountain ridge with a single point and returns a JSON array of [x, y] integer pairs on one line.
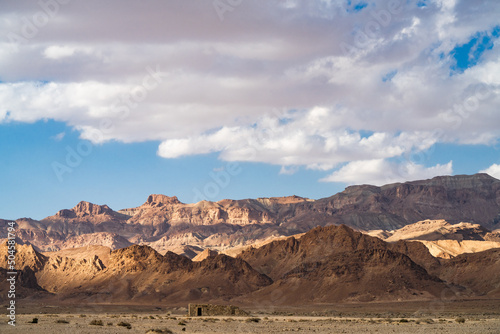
[[166, 223], [326, 265]]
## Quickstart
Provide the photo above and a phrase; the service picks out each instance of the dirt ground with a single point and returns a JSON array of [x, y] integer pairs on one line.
[[452, 317], [70, 323]]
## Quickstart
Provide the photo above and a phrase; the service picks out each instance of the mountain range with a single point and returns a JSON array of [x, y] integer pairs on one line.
[[403, 241], [166, 224]]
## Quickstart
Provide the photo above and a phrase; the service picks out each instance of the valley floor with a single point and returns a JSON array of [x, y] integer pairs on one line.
[[479, 316], [66, 323]]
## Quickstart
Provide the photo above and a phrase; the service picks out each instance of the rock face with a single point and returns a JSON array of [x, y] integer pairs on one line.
[[362, 276], [335, 263], [326, 265], [278, 258], [478, 272], [133, 274], [443, 239], [95, 213], [205, 254], [26, 256], [166, 224], [439, 230], [471, 198]]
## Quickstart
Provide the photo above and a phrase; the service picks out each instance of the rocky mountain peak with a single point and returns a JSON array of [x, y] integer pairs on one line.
[[26, 256], [205, 254], [460, 181], [84, 209], [161, 200]]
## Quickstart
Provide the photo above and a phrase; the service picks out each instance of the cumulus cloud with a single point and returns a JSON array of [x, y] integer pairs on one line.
[[310, 138], [493, 170], [350, 85], [380, 172], [57, 52]]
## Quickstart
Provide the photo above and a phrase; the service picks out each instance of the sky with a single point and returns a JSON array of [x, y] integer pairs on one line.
[[110, 101]]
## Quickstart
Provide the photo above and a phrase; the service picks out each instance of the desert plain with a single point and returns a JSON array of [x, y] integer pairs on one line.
[[471, 316]]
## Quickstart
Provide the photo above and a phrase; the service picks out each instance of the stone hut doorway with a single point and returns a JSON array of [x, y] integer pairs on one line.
[[199, 311]]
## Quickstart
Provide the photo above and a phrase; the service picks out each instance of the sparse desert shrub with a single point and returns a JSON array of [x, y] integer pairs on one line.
[[34, 321], [96, 322], [124, 324], [181, 323], [109, 324], [210, 320], [160, 331], [428, 321], [403, 320], [460, 320], [252, 320], [83, 315], [151, 317], [62, 321]]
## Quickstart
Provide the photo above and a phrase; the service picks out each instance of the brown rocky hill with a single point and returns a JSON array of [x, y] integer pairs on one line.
[[27, 262], [26, 256], [280, 257], [136, 274], [326, 265], [360, 276], [476, 271], [335, 263], [26, 285], [167, 224]]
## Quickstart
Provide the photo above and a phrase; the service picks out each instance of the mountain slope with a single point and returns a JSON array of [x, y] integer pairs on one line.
[[279, 257], [167, 224], [446, 240], [472, 198], [326, 265]]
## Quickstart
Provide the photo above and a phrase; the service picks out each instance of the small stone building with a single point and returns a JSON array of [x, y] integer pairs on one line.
[[198, 310]]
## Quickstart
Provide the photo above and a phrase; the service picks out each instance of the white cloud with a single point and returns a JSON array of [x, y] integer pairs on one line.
[[60, 136], [308, 138], [380, 172], [58, 52], [288, 170], [493, 170], [220, 81]]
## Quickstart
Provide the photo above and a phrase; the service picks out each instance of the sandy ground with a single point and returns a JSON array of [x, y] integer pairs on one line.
[[481, 316], [142, 323]]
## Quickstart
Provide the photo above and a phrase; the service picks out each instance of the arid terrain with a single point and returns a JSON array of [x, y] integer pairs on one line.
[[166, 224], [341, 319], [421, 256]]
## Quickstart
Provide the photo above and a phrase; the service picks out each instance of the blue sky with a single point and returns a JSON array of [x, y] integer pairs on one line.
[[110, 102]]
